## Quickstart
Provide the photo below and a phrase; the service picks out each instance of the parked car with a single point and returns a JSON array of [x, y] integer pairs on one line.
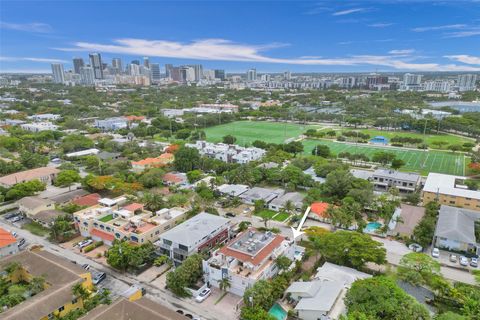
[[203, 295], [435, 253], [415, 247], [84, 243], [86, 266], [99, 277], [16, 219], [474, 262], [453, 258], [463, 261], [21, 242], [10, 215], [230, 215]]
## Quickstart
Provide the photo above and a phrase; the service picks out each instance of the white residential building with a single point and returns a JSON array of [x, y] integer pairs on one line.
[[39, 126], [111, 124], [228, 152]]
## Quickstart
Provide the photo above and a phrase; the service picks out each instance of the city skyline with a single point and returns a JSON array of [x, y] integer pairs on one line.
[[326, 36]]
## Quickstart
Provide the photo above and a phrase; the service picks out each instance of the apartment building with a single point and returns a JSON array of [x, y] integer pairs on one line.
[[405, 182], [160, 161], [46, 175], [202, 232], [451, 191], [246, 259], [227, 152], [112, 219]]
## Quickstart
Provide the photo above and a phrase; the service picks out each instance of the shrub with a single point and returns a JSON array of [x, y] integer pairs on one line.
[[93, 246]]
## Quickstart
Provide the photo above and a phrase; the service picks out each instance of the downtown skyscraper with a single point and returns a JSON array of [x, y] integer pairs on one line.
[[58, 73], [77, 65], [96, 64]]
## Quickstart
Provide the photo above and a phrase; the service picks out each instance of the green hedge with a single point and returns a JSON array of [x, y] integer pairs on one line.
[[92, 246]]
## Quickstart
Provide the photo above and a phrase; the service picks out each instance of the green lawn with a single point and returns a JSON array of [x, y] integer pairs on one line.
[[416, 160], [266, 213], [428, 138], [36, 228], [107, 218], [249, 131], [282, 216]]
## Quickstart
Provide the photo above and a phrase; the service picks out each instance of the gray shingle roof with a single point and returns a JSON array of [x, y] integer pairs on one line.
[[457, 224]]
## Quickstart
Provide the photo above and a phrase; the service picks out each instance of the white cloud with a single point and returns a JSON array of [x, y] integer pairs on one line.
[[28, 27], [444, 27], [224, 50], [465, 59], [381, 25], [44, 60], [463, 34], [348, 11], [402, 51]]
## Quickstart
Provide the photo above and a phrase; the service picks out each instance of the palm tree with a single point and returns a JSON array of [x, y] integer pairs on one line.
[[37, 285], [79, 290], [224, 284], [265, 219], [289, 207]]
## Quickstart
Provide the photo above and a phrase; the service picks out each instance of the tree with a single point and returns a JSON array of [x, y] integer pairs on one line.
[[122, 255], [255, 313], [194, 175], [351, 249], [383, 157], [152, 178], [74, 142], [229, 139], [79, 291], [224, 284], [450, 316], [381, 298], [153, 201], [321, 150], [455, 147], [62, 228], [66, 178], [337, 184], [33, 160], [397, 163], [25, 189], [186, 159], [283, 263], [185, 275], [418, 268]]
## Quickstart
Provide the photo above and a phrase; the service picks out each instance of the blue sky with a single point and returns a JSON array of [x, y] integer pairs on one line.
[[273, 36]]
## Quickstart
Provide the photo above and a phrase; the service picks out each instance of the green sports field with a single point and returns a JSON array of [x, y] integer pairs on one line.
[[415, 160], [249, 131]]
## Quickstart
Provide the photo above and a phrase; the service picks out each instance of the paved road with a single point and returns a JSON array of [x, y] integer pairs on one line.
[[118, 282]]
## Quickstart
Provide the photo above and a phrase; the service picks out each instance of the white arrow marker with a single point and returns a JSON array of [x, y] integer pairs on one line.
[[297, 232]]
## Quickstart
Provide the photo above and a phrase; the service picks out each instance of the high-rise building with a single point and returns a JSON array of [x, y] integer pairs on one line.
[[175, 74], [287, 75], [220, 74], [87, 76], [410, 79], [117, 65], [187, 74], [96, 64], [137, 62], [466, 82], [252, 75], [77, 64], [58, 73], [146, 62], [155, 71], [198, 69], [134, 69], [265, 77], [168, 71]]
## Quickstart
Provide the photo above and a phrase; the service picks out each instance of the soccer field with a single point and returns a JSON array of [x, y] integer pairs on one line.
[[415, 160], [249, 131]]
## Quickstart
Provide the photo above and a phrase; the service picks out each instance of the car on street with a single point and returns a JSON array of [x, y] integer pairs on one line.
[[84, 243], [415, 247], [86, 266], [453, 258], [463, 261], [474, 262], [203, 295], [10, 215], [435, 253], [230, 215], [21, 242], [99, 277]]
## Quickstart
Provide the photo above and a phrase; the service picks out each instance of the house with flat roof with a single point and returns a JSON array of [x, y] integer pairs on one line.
[[83, 153], [60, 275], [233, 190], [31, 206], [457, 229], [227, 152], [111, 124], [112, 219], [39, 126], [68, 196], [201, 232], [258, 193], [451, 191], [405, 182], [8, 243], [46, 175], [246, 259], [295, 198]]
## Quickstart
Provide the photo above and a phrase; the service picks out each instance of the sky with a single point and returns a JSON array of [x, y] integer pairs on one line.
[[271, 36]]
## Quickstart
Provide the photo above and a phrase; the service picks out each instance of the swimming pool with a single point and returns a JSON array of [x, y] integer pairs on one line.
[[278, 312], [372, 227]]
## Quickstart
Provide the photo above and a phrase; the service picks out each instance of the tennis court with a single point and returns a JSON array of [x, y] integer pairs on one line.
[[249, 131], [415, 160]]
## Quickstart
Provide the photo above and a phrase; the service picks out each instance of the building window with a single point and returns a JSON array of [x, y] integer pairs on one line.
[[167, 242], [182, 247], [452, 202]]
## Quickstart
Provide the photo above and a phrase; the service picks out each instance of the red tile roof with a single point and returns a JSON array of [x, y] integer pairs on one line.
[[101, 234], [320, 209], [88, 200], [6, 238], [256, 259], [172, 177], [28, 175], [132, 207], [163, 159], [134, 118]]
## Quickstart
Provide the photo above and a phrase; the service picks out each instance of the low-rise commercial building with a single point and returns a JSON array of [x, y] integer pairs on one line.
[[451, 191], [246, 259], [405, 182], [112, 219], [227, 152], [202, 232]]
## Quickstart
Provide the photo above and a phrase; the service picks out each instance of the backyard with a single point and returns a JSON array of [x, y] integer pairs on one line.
[[415, 160], [273, 215]]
